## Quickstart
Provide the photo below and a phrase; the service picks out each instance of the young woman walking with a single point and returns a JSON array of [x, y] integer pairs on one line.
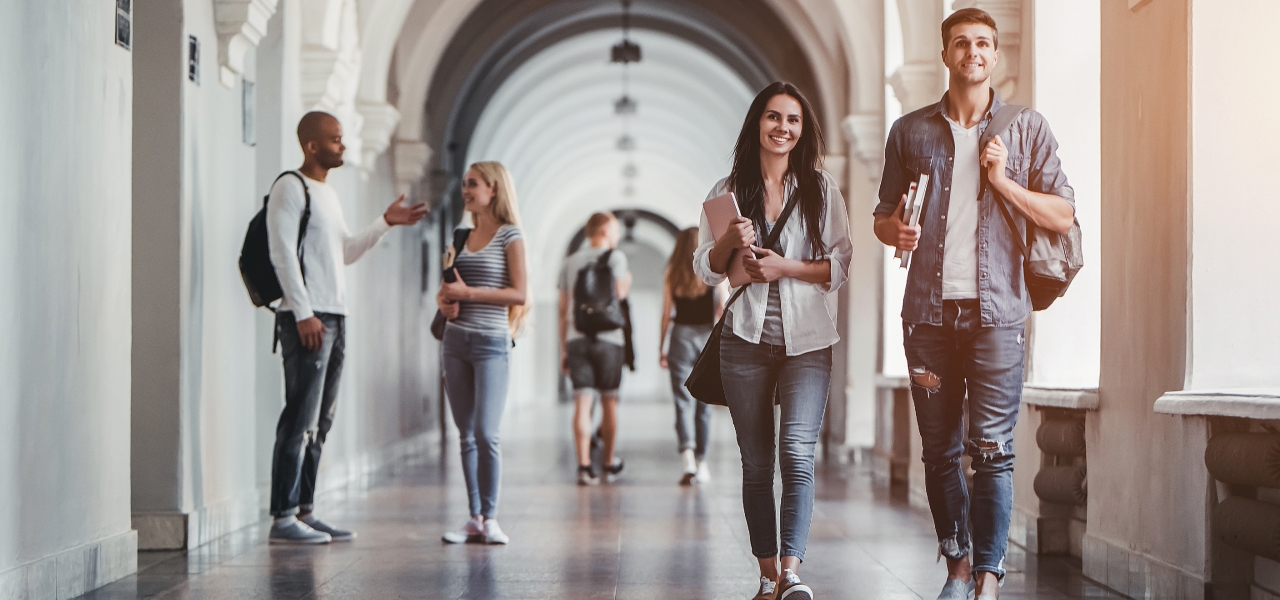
[[689, 309], [485, 308], [778, 336]]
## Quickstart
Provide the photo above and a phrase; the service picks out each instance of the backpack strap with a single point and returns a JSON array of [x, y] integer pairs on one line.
[[460, 241], [1000, 123], [302, 234]]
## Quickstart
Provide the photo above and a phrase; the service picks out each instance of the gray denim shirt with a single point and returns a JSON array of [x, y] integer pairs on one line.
[[921, 142]]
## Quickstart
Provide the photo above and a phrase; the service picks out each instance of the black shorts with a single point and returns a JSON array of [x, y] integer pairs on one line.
[[595, 364]]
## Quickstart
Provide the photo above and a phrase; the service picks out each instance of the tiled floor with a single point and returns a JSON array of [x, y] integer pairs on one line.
[[643, 537]]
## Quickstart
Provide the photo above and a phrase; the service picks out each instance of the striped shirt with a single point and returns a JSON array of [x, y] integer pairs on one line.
[[486, 267]]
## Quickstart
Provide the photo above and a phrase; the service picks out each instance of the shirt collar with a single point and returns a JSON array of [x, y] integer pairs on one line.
[[940, 108]]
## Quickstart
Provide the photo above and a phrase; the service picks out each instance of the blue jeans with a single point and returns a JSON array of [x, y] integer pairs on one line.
[[751, 373], [310, 397], [475, 377], [947, 363], [693, 418]]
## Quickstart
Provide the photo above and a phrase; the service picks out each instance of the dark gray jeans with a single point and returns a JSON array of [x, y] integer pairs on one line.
[[693, 418], [751, 373], [310, 397], [962, 359]]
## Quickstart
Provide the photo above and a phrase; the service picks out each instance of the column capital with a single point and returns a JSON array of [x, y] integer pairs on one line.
[[917, 84], [865, 134], [411, 159], [240, 25], [380, 120]]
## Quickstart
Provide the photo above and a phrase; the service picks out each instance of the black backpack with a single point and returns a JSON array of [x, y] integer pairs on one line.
[[596, 307], [256, 270]]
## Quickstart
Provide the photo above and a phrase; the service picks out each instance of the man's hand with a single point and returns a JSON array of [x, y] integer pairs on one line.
[[994, 157], [768, 267], [401, 214], [662, 359], [892, 231], [564, 360], [312, 331]]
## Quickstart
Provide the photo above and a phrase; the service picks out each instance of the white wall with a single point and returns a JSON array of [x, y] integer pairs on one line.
[[64, 298], [1067, 54], [1233, 257]]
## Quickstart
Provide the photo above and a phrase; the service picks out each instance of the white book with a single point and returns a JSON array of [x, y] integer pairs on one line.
[[906, 212], [921, 189]]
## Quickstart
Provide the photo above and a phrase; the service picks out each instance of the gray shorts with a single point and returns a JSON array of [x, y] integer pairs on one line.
[[595, 364]]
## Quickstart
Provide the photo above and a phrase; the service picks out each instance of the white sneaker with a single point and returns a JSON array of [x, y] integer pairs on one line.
[[493, 534], [293, 531], [472, 533], [690, 467], [704, 474], [767, 587]]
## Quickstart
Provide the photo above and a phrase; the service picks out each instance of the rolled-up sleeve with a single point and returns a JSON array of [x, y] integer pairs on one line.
[[1046, 175], [702, 256], [835, 235]]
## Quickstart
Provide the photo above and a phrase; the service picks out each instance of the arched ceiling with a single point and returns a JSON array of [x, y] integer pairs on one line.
[[500, 35], [552, 122]]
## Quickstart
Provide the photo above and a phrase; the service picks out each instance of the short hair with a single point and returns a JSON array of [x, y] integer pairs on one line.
[[309, 125], [597, 223], [969, 15]]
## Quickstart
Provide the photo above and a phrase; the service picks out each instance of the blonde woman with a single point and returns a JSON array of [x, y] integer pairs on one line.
[[689, 309], [485, 307]]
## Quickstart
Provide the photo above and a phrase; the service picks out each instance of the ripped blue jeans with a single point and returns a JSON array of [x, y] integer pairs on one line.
[[965, 375]]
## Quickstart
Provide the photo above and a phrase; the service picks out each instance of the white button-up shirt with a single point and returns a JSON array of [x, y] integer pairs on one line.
[[808, 309]]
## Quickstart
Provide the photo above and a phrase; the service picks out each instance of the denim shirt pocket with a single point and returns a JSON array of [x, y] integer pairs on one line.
[[1018, 168]]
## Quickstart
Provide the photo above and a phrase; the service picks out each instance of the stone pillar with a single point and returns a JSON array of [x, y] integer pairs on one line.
[[864, 132]]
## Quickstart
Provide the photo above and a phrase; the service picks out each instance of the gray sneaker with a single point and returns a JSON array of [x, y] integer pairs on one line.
[[338, 535], [297, 532], [957, 589]]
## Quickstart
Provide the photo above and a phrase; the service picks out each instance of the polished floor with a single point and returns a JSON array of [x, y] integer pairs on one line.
[[642, 537]]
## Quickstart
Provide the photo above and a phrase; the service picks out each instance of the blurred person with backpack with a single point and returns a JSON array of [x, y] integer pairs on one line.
[[593, 283], [309, 245], [485, 307], [689, 309]]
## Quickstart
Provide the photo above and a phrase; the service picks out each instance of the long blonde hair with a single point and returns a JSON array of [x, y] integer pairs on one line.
[[680, 278], [506, 212]]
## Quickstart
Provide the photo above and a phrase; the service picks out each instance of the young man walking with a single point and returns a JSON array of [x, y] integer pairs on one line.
[[310, 321], [594, 361], [966, 301]]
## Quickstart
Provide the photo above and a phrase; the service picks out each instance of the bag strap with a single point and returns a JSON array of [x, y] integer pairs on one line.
[[460, 241], [770, 240], [1000, 122]]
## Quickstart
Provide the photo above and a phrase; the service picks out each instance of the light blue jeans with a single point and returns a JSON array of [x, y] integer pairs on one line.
[[693, 418], [751, 373], [476, 368]]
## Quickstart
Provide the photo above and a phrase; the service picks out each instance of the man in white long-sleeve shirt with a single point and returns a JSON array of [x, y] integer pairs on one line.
[[310, 320]]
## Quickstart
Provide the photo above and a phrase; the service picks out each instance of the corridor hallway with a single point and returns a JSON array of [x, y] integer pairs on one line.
[[643, 537]]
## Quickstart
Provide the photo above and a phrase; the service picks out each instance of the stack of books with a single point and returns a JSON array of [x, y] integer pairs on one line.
[[911, 213]]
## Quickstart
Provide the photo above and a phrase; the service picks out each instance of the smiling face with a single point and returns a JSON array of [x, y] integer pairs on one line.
[[971, 53], [477, 194], [781, 125]]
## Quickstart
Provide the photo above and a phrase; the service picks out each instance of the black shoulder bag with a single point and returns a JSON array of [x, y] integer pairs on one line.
[[1050, 260], [704, 380], [449, 276]]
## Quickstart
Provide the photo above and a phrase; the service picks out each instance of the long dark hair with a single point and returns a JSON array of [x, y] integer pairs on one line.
[[804, 163]]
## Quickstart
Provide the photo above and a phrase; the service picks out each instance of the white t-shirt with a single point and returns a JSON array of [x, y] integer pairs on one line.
[[960, 255], [327, 247]]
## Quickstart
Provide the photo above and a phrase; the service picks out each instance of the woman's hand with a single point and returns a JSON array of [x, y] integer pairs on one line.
[[448, 308], [741, 233], [765, 266], [456, 290], [662, 359]]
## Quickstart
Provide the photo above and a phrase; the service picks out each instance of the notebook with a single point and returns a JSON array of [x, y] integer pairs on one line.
[[720, 211]]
